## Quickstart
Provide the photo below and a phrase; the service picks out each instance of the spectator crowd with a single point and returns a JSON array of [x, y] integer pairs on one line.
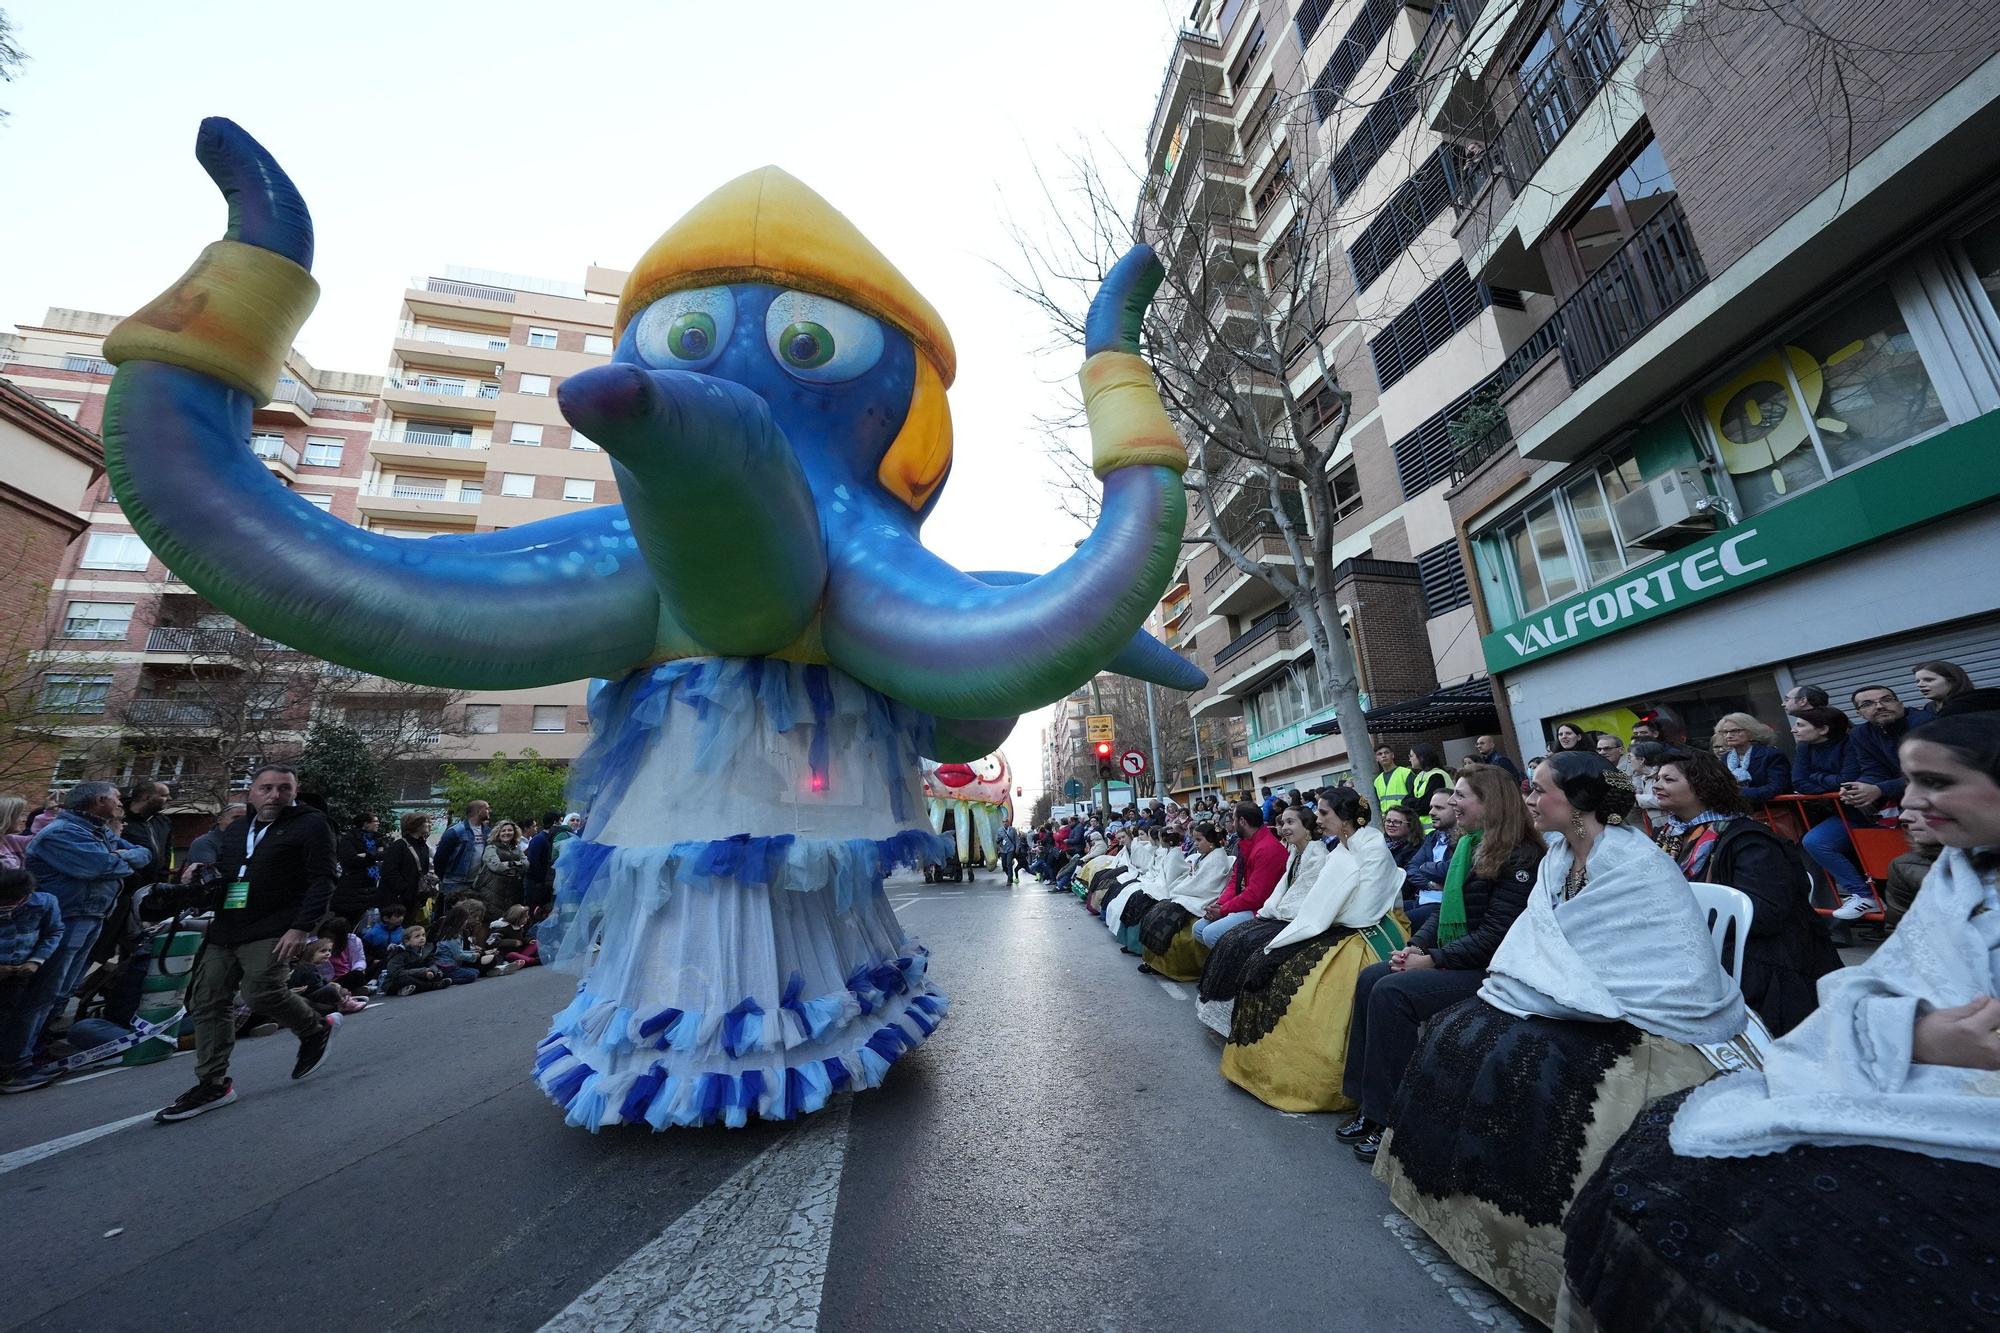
[[299, 924], [1585, 1017]]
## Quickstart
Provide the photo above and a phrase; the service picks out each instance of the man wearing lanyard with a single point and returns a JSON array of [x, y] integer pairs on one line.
[[279, 869]]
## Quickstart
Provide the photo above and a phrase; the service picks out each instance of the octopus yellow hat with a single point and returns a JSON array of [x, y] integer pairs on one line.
[[767, 226]]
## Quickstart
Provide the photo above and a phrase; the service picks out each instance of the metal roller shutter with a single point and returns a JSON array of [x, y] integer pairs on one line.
[[1973, 644]]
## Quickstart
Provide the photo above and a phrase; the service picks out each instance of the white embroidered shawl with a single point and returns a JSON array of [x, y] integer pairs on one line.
[[1357, 885], [1633, 945], [1302, 871], [1204, 884], [1845, 1076]]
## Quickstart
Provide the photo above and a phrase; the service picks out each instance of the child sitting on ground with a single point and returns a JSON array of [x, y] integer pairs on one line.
[[513, 939], [378, 938], [412, 965], [309, 981], [347, 966], [461, 950]]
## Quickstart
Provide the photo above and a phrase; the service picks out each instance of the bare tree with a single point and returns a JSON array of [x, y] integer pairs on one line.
[[239, 698], [44, 693], [1228, 334], [12, 57]]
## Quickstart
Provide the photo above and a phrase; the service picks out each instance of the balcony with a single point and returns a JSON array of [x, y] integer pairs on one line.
[[1194, 67], [292, 401], [1553, 96], [1638, 284], [170, 713], [411, 501], [1272, 629], [186, 642], [433, 451], [441, 396], [477, 352], [278, 456]]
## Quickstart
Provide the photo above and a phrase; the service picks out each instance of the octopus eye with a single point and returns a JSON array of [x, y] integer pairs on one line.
[[686, 330], [819, 340]]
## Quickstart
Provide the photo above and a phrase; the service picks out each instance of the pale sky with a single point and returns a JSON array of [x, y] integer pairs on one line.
[[536, 138]]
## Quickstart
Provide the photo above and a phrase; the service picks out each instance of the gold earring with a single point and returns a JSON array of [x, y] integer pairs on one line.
[[1576, 822]]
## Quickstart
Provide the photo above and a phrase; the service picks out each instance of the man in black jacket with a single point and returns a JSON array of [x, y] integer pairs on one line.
[[279, 869], [1392, 1000]]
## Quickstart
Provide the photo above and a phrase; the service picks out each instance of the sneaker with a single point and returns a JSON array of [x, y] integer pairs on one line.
[[198, 1100], [27, 1080], [406, 990], [263, 1027], [1357, 1129], [312, 1050], [1367, 1148], [1855, 908]]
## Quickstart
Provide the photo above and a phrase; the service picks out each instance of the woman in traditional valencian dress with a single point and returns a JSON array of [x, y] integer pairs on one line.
[[1287, 1041], [1222, 974], [1167, 932], [1854, 1181], [1592, 1006], [1124, 913]]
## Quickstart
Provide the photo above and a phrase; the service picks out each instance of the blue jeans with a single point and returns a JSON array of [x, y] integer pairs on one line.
[[1208, 932], [460, 976], [1827, 843], [1421, 913], [53, 984]]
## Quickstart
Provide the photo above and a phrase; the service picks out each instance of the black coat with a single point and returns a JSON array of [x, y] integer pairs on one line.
[[404, 865], [359, 890], [291, 876], [1490, 908], [1788, 950]]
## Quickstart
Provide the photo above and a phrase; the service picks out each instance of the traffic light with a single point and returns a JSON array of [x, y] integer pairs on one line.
[[1105, 768]]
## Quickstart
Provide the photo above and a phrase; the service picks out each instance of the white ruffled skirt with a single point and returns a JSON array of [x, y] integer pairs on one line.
[[725, 902]]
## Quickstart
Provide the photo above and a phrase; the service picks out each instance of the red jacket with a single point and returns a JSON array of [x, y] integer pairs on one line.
[[1260, 864]]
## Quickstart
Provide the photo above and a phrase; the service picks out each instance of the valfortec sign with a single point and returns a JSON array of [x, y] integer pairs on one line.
[[1657, 587], [1949, 472]]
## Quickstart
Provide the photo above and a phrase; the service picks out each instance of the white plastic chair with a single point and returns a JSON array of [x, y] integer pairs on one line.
[[1728, 913]]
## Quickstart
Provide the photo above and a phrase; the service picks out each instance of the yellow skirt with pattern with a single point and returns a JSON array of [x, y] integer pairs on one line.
[[1287, 1042]]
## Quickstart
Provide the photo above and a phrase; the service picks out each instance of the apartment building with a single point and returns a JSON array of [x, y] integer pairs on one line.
[[138, 663], [1267, 112], [460, 434], [1753, 442], [469, 438]]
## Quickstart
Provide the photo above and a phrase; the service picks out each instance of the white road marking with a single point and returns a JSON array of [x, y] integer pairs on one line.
[[1483, 1305], [899, 904], [1171, 988], [750, 1255], [21, 1157]]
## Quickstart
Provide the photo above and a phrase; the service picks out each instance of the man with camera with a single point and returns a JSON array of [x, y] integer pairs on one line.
[[270, 884]]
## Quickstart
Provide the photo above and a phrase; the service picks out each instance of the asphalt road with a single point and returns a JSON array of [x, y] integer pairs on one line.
[[1061, 1154]]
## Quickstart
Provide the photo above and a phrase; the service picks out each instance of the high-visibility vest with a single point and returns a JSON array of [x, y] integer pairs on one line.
[[1417, 785], [1391, 788]]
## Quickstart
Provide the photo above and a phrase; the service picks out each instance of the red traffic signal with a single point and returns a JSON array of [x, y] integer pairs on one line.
[[1104, 749]]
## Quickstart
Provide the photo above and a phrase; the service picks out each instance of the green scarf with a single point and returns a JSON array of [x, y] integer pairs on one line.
[[1451, 914]]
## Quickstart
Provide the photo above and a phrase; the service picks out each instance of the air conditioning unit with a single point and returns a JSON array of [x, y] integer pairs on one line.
[[1671, 510]]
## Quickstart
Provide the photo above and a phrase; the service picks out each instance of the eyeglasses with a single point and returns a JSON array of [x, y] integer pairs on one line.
[[1609, 749]]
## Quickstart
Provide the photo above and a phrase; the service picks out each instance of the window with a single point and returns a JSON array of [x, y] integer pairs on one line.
[[551, 717], [578, 440], [579, 488], [167, 768], [597, 344], [1442, 574], [1319, 405], [1427, 323], [97, 620], [323, 503], [322, 452], [1294, 696], [470, 492], [525, 434], [535, 386], [74, 694], [242, 768], [67, 408], [520, 485], [72, 767], [1253, 46], [1569, 539], [1643, 188], [1836, 394], [1346, 492], [266, 445], [482, 719], [115, 550], [541, 337]]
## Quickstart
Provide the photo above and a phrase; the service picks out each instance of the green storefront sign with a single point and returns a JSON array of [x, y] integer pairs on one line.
[[1954, 470]]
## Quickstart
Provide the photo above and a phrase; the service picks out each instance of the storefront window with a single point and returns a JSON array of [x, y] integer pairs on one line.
[[1551, 551], [1836, 394], [1571, 540]]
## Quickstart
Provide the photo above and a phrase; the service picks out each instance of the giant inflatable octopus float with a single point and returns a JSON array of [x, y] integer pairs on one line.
[[774, 649]]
